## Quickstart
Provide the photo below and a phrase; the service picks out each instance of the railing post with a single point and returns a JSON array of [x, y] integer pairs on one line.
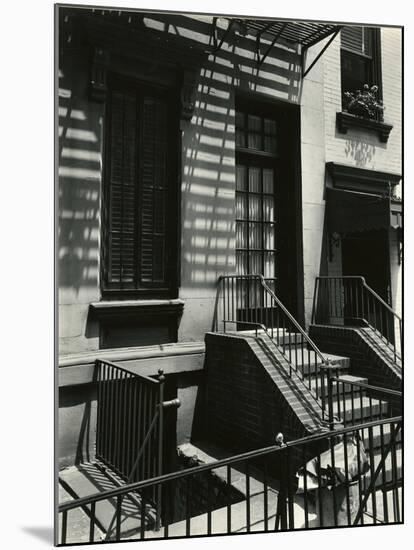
[[330, 397], [316, 289], [281, 506], [161, 379], [328, 367]]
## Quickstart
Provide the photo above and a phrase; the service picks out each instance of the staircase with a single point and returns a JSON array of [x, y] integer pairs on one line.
[[246, 305], [106, 500]]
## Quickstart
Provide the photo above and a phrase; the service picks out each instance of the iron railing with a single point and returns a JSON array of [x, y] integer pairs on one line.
[[351, 402], [245, 302], [350, 301], [321, 480], [130, 424]]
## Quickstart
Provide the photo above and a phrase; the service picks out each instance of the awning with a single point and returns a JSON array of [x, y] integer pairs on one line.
[[303, 33], [298, 32], [350, 211]]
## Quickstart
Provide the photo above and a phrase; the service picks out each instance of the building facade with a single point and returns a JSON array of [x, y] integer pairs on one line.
[[192, 147]]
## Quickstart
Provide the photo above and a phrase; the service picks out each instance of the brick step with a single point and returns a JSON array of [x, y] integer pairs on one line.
[[87, 479]]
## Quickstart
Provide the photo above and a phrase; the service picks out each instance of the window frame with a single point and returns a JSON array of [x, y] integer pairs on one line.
[[375, 60], [120, 291], [250, 158]]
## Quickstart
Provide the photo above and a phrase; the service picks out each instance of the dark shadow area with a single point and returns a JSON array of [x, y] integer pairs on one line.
[[77, 426]]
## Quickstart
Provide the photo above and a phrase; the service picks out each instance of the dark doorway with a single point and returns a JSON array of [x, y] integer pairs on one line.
[[366, 253]]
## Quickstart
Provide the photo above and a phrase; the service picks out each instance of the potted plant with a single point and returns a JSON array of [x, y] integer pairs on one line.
[[364, 103]]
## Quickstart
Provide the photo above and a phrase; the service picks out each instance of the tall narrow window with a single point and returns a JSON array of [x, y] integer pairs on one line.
[[256, 154], [139, 229], [360, 58]]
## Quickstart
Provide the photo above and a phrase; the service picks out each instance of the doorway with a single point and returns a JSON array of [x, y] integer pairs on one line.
[[366, 254]]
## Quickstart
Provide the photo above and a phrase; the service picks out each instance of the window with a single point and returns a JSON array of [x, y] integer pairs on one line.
[[256, 155], [360, 58], [139, 222]]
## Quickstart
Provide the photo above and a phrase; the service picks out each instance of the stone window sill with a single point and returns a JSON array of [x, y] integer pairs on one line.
[[344, 121]]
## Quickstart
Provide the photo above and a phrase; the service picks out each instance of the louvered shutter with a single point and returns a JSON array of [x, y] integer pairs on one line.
[[153, 190], [357, 40], [122, 190], [135, 197]]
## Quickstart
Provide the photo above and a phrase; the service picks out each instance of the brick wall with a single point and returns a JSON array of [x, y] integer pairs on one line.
[[368, 357], [359, 147], [247, 403]]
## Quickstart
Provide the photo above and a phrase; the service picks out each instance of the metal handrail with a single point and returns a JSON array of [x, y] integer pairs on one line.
[[350, 296], [119, 491], [259, 295], [281, 306], [367, 386], [129, 372], [371, 290], [295, 323]]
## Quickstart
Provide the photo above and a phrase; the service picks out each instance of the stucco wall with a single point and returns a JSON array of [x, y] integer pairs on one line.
[[207, 179], [80, 161], [208, 171]]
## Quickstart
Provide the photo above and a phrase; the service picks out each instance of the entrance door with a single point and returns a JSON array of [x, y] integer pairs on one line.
[[366, 254]]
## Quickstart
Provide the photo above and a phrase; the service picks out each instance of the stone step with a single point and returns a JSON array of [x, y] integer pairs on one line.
[[78, 525], [353, 409], [209, 454], [306, 365], [295, 350], [87, 479], [279, 336], [314, 383]]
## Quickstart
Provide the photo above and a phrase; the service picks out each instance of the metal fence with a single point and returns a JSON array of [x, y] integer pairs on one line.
[[351, 402], [350, 476], [350, 301]]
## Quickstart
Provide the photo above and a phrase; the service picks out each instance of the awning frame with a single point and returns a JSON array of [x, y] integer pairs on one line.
[[307, 35]]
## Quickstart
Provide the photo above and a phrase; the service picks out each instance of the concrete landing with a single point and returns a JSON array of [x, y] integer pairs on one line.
[[87, 479]]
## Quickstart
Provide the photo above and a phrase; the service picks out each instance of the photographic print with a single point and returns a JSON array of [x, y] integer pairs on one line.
[[229, 274]]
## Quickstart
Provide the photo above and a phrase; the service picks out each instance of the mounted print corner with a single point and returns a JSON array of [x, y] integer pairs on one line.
[[229, 262]]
